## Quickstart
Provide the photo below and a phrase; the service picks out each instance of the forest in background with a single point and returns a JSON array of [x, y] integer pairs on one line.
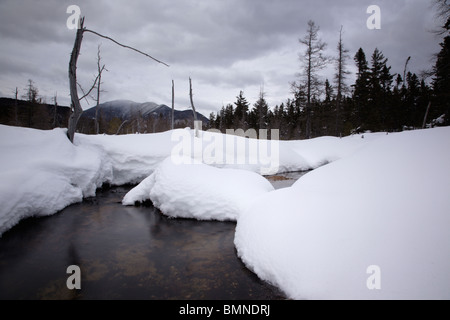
[[378, 100]]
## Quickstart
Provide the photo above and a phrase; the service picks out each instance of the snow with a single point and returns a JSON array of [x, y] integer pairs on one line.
[[378, 209], [132, 157], [41, 172], [385, 205], [199, 191]]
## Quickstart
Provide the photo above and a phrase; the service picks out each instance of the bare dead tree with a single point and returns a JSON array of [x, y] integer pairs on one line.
[[404, 70], [340, 76], [75, 100], [16, 117], [125, 46], [426, 116], [193, 107], [442, 14], [314, 61], [55, 110], [100, 70], [173, 105]]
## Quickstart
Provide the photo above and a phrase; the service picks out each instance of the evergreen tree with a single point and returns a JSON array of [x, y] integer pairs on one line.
[[425, 93], [241, 112], [380, 81], [229, 117], [212, 121], [260, 112], [328, 110], [441, 83], [220, 120], [412, 117], [361, 89], [293, 117]]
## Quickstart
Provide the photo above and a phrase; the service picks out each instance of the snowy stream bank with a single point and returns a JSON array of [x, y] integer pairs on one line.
[[372, 224]]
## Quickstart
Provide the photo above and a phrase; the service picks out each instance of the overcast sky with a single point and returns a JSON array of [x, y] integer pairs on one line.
[[225, 46]]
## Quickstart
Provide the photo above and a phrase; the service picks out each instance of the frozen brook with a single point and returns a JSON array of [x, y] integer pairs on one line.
[[369, 222]]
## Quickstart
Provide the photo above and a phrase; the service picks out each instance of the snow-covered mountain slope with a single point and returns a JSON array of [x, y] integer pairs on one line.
[[126, 109]]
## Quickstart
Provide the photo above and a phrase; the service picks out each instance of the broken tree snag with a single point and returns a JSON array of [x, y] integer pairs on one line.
[[426, 116], [193, 108], [100, 70], [75, 105], [125, 46], [173, 104], [75, 101]]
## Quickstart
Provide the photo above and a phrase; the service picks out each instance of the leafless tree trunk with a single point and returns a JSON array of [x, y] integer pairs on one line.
[[75, 101], [100, 70], [404, 70], [55, 112], [16, 116], [314, 61], [193, 107], [426, 116], [173, 105], [340, 77]]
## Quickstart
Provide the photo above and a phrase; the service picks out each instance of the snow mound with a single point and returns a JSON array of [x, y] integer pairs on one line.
[[132, 157], [373, 225], [199, 191], [41, 172]]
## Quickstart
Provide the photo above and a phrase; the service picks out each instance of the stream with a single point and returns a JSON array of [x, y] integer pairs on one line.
[[127, 253]]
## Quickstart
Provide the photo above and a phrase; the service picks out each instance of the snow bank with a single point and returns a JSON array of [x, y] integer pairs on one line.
[[132, 157], [199, 191], [378, 218], [41, 172], [382, 208], [320, 151]]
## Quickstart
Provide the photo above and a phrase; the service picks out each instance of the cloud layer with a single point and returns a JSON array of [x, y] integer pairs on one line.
[[225, 46]]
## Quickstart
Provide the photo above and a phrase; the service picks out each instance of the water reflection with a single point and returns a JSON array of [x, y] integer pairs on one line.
[[124, 253]]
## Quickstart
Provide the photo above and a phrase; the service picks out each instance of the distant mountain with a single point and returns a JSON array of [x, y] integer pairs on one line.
[[127, 110]]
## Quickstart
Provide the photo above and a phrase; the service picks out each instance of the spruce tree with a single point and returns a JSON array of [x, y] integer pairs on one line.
[[260, 112], [380, 81], [361, 90], [441, 83], [241, 111]]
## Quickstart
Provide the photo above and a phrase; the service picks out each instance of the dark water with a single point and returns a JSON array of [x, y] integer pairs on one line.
[[124, 253]]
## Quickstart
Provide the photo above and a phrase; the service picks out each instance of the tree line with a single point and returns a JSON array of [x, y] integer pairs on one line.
[[32, 110], [378, 100]]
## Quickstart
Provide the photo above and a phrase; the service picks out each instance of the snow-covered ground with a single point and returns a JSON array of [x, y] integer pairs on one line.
[[374, 223], [41, 172], [199, 191], [380, 215]]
